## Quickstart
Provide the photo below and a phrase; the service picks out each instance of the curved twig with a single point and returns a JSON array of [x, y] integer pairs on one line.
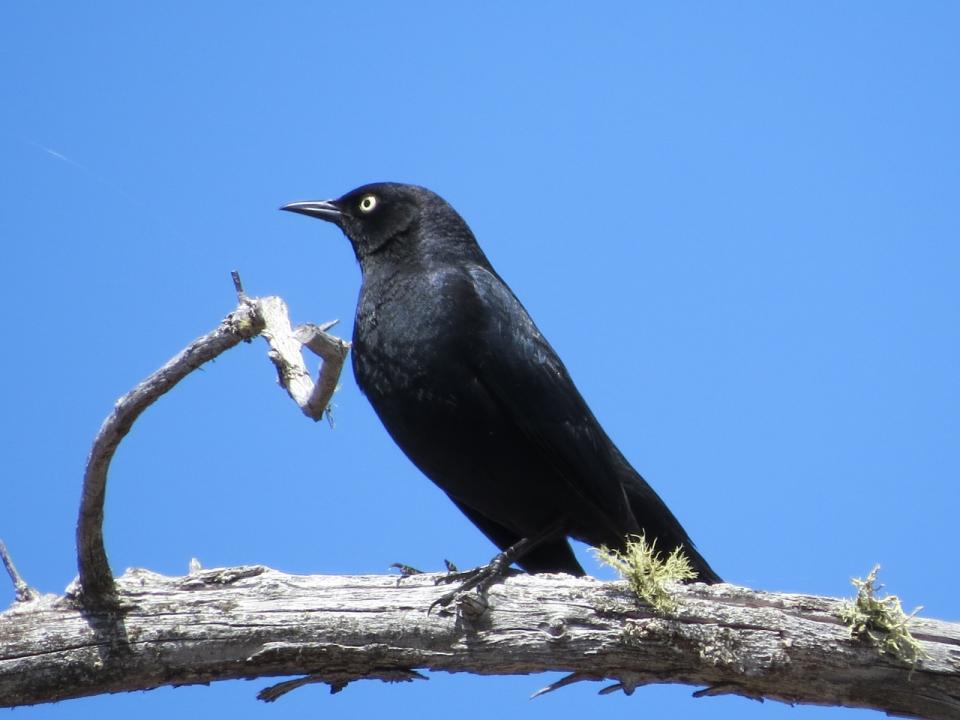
[[252, 317], [96, 581]]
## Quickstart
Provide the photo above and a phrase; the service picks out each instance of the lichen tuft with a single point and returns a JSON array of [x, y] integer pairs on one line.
[[647, 572], [881, 620]]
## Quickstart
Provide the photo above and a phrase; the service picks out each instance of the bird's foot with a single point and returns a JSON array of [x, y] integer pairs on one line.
[[480, 578]]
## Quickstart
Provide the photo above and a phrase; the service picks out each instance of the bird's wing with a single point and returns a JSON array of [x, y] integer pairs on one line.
[[527, 379]]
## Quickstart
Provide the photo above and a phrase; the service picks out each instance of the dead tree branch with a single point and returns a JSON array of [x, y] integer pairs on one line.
[[145, 630], [255, 622], [253, 316]]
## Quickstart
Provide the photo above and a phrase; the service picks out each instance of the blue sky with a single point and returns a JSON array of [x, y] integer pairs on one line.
[[736, 222]]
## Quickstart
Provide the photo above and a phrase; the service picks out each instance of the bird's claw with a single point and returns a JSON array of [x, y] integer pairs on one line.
[[480, 578]]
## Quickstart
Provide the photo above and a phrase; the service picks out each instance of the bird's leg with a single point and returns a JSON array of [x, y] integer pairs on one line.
[[484, 576]]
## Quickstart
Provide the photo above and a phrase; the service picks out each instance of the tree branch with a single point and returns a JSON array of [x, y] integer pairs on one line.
[[253, 316], [146, 630], [255, 622]]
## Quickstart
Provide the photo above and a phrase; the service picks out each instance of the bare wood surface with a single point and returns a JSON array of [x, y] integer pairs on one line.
[[285, 353], [333, 350], [255, 622]]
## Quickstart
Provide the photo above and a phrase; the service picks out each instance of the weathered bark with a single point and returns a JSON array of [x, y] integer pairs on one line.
[[252, 621]]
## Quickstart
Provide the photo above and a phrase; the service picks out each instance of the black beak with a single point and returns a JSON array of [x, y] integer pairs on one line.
[[323, 209]]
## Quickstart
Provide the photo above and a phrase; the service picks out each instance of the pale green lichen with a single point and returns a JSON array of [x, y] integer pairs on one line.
[[647, 572], [881, 620]]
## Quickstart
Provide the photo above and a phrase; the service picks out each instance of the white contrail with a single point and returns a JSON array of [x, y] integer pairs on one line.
[[87, 171]]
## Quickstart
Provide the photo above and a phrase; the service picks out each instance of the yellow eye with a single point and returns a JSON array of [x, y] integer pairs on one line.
[[368, 203]]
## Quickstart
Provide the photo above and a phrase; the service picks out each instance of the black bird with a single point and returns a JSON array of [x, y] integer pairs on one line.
[[474, 394]]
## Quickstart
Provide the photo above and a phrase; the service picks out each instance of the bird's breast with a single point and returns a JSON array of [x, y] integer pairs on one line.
[[413, 336]]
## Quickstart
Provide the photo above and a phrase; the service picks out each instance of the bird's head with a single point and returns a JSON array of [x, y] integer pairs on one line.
[[377, 216]]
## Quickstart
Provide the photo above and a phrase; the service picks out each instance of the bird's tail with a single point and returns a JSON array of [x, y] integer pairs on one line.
[[701, 567], [657, 522]]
